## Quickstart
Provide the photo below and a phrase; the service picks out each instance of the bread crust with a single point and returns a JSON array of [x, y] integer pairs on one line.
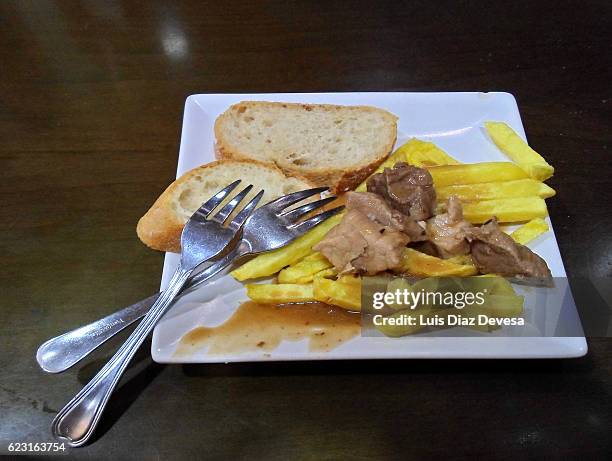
[[160, 228], [338, 179]]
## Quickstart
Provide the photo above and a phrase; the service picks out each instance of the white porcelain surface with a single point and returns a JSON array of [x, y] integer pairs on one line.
[[454, 122]]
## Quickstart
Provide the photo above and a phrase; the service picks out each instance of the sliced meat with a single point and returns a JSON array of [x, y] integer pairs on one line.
[[407, 189], [454, 209], [377, 209], [359, 244], [384, 251], [495, 252], [447, 230], [345, 242]]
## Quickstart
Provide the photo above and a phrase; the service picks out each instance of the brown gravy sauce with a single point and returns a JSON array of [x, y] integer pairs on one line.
[[262, 327]]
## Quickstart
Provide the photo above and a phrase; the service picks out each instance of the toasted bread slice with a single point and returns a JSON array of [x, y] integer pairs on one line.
[[160, 228], [337, 146]]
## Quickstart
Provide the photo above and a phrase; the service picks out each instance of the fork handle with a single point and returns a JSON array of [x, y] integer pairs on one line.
[[76, 422], [62, 352]]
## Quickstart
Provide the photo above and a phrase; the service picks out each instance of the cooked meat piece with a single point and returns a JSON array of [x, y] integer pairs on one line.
[[447, 230], [416, 230], [361, 244], [376, 209], [384, 251], [425, 247], [345, 242], [407, 189], [495, 252], [454, 209]]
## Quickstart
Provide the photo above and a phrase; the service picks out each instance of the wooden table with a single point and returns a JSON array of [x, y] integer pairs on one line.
[[91, 97]]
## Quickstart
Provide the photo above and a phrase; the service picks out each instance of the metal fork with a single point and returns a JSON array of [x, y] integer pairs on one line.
[[61, 352], [203, 237], [271, 227]]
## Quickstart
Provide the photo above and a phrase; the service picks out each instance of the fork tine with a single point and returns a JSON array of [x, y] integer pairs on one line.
[[287, 200], [230, 206], [212, 203], [297, 213], [242, 216], [305, 226]]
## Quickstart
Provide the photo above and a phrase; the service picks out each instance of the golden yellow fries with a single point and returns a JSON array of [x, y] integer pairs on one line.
[[493, 190], [417, 153], [423, 265], [494, 284], [511, 144], [474, 173], [304, 270], [506, 305], [506, 209], [268, 293], [529, 231], [331, 272], [350, 279], [422, 153], [345, 292], [464, 260], [501, 189], [270, 263]]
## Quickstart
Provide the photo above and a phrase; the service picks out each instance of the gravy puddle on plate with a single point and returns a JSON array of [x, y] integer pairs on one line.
[[262, 327]]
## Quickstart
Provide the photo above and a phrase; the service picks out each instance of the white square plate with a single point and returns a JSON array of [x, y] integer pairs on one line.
[[454, 122]]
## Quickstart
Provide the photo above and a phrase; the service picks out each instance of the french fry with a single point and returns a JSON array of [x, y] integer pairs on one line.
[[494, 284], [327, 273], [422, 153], [304, 270], [342, 293], [349, 279], [506, 209], [417, 153], [502, 305], [270, 293], [423, 265], [475, 173], [511, 144], [270, 263], [499, 300], [529, 231], [461, 260], [494, 190]]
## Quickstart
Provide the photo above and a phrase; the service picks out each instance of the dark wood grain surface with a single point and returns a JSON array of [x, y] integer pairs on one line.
[[91, 99]]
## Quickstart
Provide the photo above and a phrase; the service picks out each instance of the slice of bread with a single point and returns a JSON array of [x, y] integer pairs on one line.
[[336, 146], [160, 228]]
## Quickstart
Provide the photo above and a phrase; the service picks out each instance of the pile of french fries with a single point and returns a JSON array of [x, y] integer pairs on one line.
[[513, 191]]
